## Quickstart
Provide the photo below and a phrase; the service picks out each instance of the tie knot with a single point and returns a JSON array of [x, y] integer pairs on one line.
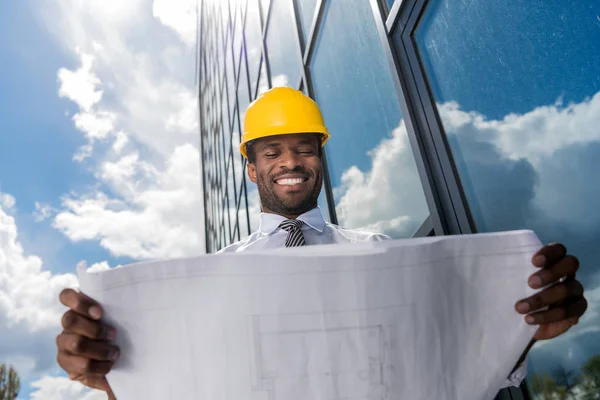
[[290, 225]]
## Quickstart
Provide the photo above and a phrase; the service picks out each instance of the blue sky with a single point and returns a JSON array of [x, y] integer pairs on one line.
[[38, 140], [98, 158]]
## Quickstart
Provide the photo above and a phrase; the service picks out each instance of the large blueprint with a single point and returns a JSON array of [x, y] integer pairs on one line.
[[429, 318]]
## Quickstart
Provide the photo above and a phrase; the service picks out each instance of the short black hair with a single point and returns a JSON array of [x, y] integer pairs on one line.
[[251, 152]]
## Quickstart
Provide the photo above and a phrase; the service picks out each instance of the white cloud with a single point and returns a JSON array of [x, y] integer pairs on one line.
[[383, 198], [133, 85], [62, 388], [29, 308], [549, 155], [7, 201], [278, 80], [95, 125], [80, 86], [133, 88], [186, 119], [536, 134], [122, 170], [556, 143], [83, 152], [120, 142], [152, 218], [101, 266], [42, 211], [388, 198], [147, 77], [28, 293], [178, 15]]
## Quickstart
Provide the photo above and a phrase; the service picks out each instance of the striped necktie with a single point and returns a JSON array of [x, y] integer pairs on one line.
[[294, 229]]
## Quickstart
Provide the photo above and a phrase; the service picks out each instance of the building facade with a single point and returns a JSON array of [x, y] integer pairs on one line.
[[447, 117]]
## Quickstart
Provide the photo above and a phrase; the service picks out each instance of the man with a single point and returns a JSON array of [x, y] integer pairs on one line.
[[283, 139]]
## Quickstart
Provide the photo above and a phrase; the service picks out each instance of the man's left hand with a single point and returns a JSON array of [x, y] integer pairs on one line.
[[563, 297]]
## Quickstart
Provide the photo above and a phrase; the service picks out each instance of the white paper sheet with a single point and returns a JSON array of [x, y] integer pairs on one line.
[[429, 318]]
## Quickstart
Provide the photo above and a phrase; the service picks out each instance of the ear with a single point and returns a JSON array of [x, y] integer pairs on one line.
[[252, 172]]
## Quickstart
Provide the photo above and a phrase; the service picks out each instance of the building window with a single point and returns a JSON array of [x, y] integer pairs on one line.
[[306, 10], [517, 90], [390, 3], [375, 182], [264, 5], [283, 47], [253, 38]]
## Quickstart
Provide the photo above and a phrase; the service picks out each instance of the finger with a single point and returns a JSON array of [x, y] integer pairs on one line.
[[74, 364], [82, 346], [574, 309], [549, 296], [95, 382], [567, 266], [550, 331], [76, 323], [549, 254], [80, 303]]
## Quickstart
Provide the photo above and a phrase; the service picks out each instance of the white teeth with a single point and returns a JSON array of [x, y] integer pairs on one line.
[[290, 182]]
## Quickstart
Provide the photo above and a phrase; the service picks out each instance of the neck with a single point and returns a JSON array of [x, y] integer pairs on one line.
[[286, 215]]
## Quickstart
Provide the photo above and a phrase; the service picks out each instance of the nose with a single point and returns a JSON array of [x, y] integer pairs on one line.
[[290, 160]]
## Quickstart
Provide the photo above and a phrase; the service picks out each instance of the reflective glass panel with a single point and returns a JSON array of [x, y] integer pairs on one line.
[[374, 177], [226, 127], [243, 93], [238, 29], [265, 8], [230, 73], [390, 3], [263, 83], [517, 86], [254, 208], [253, 36], [307, 12], [237, 157], [243, 213], [232, 197], [219, 50], [283, 47]]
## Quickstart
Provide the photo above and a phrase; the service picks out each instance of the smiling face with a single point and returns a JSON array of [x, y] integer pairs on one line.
[[287, 171]]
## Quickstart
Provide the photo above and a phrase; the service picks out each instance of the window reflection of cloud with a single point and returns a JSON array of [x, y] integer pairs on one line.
[[535, 170], [253, 38], [263, 84], [280, 80], [282, 43], [383, 199]]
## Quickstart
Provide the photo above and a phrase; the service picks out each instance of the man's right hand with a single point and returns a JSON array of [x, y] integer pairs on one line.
[[84, 348]]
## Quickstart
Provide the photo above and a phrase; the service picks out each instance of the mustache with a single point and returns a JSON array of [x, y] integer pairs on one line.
[[300, 171]]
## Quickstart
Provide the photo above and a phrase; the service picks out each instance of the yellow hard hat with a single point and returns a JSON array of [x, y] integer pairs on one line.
[[282, 111]]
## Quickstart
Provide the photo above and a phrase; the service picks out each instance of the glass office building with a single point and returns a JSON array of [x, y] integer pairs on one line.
[[447, 117]]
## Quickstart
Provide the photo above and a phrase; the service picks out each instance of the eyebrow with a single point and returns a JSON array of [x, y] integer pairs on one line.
[[271, 145]]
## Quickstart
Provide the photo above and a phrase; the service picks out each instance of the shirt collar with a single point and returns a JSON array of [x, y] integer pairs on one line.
[[313, 218]]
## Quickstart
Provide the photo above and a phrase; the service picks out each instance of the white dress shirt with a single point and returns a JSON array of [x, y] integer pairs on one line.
[[317, 231]]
